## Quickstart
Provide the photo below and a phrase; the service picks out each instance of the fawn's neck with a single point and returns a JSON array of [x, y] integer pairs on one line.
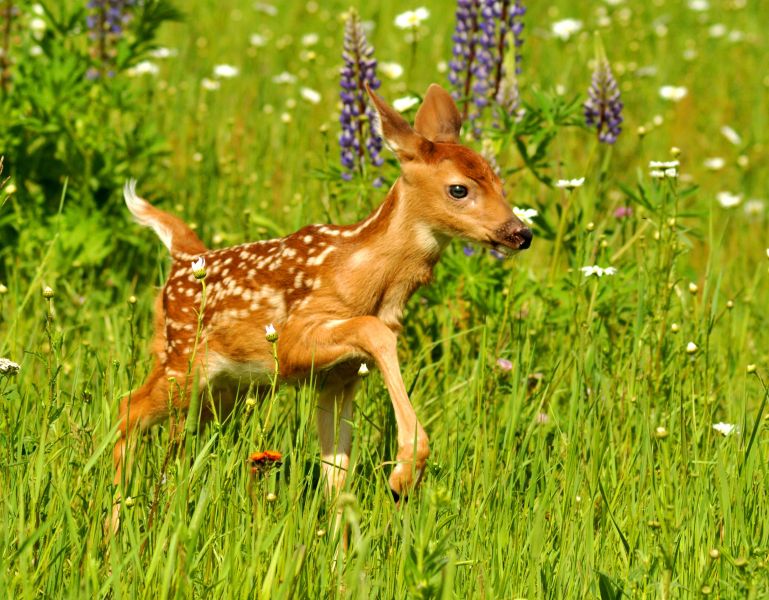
[[394, 253]]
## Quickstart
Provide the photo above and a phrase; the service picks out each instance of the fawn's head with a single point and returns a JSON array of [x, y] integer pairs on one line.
[[449, 187]]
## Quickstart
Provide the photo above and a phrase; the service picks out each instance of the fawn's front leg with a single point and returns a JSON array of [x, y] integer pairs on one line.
[[324, 345]]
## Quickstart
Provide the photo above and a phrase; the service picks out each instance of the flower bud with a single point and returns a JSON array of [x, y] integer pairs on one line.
[[199, 268], [363, 370], [271, 334], [47, 292]]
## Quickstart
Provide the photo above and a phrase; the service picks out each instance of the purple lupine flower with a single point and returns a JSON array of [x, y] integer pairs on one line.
[[508, 68], [106, 21], [477, 70], [464, 38], [515, 25], [358, 138], [485, 64], [603, 107]]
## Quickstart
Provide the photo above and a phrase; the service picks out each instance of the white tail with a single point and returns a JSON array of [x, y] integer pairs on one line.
[[180, 240], [335, 294]]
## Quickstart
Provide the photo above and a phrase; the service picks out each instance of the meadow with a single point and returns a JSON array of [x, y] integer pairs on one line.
[[570, 392]]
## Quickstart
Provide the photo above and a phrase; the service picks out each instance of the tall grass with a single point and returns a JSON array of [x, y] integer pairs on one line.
[[590, 469]]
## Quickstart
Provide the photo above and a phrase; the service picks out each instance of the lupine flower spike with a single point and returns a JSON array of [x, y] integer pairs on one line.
[[359, 137], [479, 72], [106, 20], [603, 108], [461, 65], [509, 50]]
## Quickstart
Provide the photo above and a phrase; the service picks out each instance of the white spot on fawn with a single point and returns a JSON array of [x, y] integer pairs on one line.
[[318, 260]]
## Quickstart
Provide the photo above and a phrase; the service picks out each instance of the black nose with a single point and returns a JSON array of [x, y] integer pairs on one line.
[[524, 235]]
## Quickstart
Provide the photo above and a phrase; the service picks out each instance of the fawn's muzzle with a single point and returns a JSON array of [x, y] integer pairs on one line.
[[514, 235]]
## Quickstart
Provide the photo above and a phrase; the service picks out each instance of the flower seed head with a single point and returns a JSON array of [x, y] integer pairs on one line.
[[8, 367], [271, 334]]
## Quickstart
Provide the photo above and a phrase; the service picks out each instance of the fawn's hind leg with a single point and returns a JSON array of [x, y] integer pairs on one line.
[[141, 409], [335, 432]]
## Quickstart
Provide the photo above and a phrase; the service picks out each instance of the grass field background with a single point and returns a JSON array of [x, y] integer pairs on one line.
[[590, 469]]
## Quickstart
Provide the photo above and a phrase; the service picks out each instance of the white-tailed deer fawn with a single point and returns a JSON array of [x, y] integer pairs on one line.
[[335, 294]]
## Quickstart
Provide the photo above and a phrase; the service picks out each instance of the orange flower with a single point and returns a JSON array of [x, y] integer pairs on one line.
[[264, 461]]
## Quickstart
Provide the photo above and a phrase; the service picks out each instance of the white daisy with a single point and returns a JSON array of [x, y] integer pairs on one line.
[[309, 94], [525, 214], [728, 200], [405, 103], [226, 71], [391, 69], [570, 184], [725, 428], [411, 18], [565, 28], [674, 93]]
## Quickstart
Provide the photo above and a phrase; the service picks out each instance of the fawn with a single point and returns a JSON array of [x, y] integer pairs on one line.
[[335, 294]]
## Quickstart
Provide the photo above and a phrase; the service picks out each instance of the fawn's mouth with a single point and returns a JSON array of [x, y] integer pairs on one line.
[[512, 244], [501, 248]]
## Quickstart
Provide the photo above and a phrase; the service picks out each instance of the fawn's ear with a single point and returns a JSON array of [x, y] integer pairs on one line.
[[438, 118], [395, 130]]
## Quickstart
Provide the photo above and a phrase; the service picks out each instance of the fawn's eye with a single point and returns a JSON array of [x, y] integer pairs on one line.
[[457, 191]]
